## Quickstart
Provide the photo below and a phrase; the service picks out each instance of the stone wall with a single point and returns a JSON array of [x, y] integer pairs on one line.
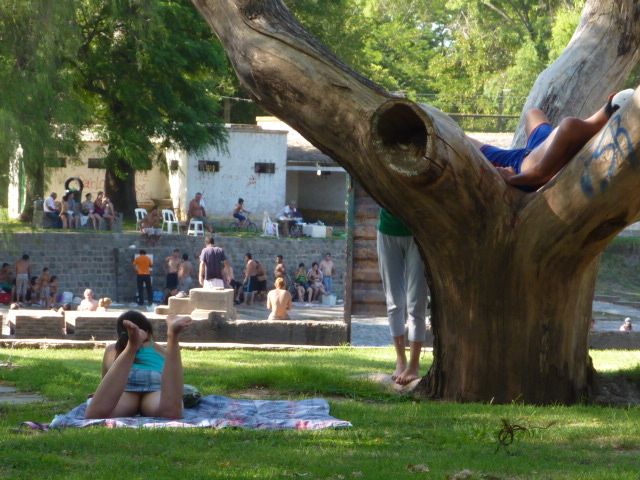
[[102, 261]]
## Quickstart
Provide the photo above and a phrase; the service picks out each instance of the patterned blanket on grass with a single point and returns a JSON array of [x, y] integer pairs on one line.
[[215, 411]]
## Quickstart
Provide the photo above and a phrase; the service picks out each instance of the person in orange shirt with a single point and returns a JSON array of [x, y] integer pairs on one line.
[[142, 263]]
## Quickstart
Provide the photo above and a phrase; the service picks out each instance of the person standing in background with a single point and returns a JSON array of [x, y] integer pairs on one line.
[[143, 264], [405, 289]]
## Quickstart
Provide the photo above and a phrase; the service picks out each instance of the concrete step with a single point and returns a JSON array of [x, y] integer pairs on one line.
[[180, 306]]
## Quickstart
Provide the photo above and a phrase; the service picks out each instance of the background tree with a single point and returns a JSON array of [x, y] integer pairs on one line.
[[512, 274], [151, 71], [40, 110]]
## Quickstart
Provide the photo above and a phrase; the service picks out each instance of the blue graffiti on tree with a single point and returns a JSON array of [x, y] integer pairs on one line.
[[614, 145]]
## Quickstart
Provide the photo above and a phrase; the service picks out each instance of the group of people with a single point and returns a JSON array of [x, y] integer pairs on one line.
[[25, 288], [179, 275], [69, 213]]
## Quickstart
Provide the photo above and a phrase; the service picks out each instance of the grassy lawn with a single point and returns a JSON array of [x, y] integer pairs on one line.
[[392, 437], [618, 274]]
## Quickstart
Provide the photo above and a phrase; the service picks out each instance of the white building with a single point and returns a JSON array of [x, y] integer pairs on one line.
[[266, 164], [252, 166]]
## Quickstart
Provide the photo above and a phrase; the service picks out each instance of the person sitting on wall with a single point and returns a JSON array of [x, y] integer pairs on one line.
[[150, 226], [50, 210], [88, 211], [196, 211], [302, 284], [67, 213], [109, 213], [6, 278]]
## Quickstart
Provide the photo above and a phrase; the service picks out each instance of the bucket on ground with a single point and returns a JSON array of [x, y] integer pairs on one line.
[[329, 300]]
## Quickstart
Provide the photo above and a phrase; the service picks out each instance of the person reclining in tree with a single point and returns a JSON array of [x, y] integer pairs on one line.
[[548, 149]]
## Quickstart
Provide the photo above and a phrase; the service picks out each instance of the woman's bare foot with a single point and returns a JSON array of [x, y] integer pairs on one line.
[[176, 324], [136, 335], [407, 376], [400, 368]]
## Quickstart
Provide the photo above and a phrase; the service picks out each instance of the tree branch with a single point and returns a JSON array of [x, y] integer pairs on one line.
[[595, 196], [389, 144], [599, 52]]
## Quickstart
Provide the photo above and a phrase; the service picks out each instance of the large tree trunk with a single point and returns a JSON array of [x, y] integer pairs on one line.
[[120, 187], [512, 275]]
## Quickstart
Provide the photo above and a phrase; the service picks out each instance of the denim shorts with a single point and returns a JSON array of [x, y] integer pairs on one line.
[[143, 381]]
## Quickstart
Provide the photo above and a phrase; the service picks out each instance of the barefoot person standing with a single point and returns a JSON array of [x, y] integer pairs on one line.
[[23, 275], [405, 289], [139, 376]]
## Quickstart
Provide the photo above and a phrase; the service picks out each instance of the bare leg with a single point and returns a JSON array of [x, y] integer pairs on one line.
[[170, 405], [533, 118], [412, 370], [564, 142], [401, 356], [112, 386]]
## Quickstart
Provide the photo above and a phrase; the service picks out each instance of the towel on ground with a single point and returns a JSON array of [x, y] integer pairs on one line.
[[215, 411]]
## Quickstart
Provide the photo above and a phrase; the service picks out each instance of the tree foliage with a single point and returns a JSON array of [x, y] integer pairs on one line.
[[135, 71], [40, 110], [465, 56], [151, 70]]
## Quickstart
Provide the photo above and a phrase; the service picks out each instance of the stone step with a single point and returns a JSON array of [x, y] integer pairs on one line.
[[180, 306]]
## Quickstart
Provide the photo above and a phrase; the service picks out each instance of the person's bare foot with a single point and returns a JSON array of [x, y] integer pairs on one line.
[[407, 376], [400, 368], [136, 335], [177, 323]]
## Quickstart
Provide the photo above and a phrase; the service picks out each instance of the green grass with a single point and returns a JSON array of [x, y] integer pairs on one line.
[[618, 274], [392, 436]]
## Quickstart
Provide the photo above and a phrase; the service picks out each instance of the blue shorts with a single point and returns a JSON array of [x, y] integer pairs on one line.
[[143, 381], [501, 157], [252, 284], [239, 217]]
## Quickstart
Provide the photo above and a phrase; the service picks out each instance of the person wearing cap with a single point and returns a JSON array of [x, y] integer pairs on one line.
[[548, 149], [627, 326]]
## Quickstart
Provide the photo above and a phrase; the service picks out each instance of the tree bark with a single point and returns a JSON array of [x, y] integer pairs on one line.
[[120, 188], [512, 275]]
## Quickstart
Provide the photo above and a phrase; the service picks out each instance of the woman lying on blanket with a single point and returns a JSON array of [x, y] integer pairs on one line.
[[138, 376]]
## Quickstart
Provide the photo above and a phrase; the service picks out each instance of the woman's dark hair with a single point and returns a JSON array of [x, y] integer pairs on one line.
[[301, 265], [134, 317]]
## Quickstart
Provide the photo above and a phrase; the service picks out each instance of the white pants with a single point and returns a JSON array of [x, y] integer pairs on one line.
[[404, 284], [213, 283]]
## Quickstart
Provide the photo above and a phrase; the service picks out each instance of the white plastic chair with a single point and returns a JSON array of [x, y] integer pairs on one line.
[[196, 228], [169, 219], [269, 228], [140, 214]]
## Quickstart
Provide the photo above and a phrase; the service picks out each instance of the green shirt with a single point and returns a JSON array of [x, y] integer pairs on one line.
[[391, 225]]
